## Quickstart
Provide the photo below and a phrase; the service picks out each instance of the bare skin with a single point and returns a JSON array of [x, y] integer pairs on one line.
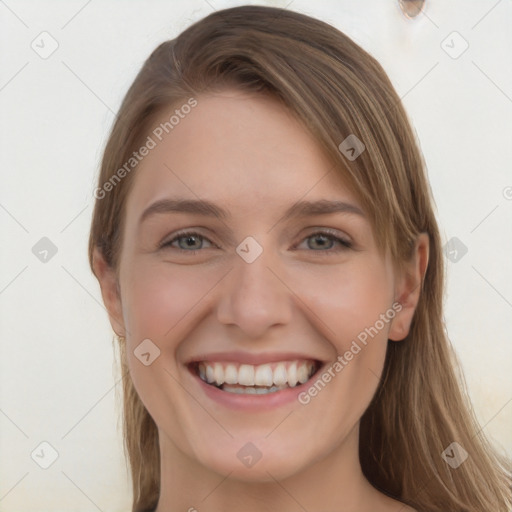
[[302, 294]]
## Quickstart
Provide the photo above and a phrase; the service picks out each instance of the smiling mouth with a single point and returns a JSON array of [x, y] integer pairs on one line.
[[255, 379]]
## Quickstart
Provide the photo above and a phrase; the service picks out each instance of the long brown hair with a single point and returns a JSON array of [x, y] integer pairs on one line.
[[336, 89]]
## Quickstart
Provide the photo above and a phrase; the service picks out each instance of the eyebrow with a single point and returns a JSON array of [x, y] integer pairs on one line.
[[209, 209]]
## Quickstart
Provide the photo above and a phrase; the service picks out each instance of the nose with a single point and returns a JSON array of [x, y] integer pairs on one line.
[[255, 296]]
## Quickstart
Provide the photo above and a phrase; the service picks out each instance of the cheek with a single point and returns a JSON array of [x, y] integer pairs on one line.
[[352, 303], [349, 300], [160, 296], [158, 302]]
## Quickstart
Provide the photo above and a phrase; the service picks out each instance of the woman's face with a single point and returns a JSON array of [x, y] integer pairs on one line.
[[262, 294]]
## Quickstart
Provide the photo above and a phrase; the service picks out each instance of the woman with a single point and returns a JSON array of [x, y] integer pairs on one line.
[[261, 370]]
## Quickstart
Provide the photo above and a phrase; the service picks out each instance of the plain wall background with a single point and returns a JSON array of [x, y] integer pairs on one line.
[[57, 370]]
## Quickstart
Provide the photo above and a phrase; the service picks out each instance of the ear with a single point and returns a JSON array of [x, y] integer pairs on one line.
[[408, 287], [110, 291]]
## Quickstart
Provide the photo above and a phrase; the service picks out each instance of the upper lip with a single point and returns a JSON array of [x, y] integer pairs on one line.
[[251, 358]]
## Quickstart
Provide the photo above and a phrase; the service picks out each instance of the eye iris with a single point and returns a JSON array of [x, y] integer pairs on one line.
[[188, 239], [321, 237]]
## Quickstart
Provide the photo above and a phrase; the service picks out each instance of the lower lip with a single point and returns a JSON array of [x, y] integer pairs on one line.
[[251, 402]]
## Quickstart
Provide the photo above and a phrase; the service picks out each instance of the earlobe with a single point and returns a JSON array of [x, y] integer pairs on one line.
[[109, 291], [408, 289]]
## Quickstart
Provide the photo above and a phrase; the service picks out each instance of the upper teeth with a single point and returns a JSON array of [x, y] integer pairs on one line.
[[286, 372]]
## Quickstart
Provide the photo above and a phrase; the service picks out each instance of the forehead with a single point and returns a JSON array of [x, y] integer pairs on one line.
[[246, 151]]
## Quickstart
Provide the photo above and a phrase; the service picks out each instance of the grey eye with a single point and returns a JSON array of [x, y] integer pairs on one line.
[[320, 241], [190, 241]]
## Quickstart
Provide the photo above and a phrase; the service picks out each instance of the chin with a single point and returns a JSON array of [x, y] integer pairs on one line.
[[261, 460], [262, 471]]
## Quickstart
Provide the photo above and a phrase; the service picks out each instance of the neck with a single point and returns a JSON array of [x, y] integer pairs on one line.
[[334, 482]]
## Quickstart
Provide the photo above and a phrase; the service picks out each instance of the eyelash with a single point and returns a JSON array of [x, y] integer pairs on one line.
[[326, 233]]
